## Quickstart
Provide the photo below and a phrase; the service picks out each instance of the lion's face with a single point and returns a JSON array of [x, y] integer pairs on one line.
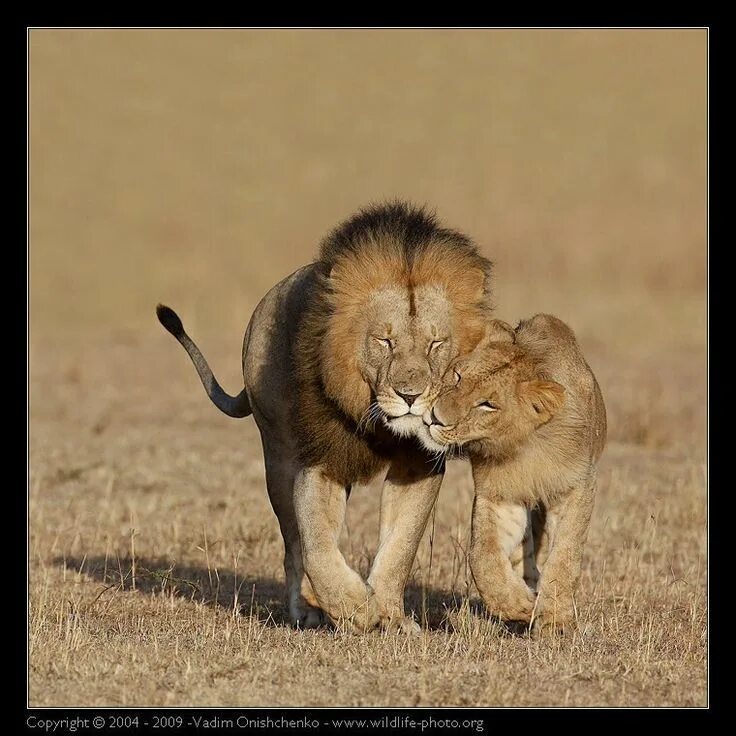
[[393, 328], [491, 397], [408, 341]]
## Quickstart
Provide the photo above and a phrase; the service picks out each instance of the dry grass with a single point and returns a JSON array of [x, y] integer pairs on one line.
[[199, 168]]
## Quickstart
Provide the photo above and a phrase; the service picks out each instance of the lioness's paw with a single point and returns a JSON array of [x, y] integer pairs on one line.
[[549, 626], [365, 617], [401, 625], [517, 607]]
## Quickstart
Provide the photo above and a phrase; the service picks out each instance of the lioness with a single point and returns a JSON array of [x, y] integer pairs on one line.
[[529, 411], [340, 360]]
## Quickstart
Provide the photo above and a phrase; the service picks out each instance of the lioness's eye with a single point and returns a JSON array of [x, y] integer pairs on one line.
[[487, 406], [457, 377], [435, 344], [385, 341]]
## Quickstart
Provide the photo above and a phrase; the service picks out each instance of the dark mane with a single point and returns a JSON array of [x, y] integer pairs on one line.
[[412, 227]]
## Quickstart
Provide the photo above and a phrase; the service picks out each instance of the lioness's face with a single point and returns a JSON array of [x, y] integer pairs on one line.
[[408, 344], [492, 397]]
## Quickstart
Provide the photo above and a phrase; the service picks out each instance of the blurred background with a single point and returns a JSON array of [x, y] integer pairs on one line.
[[198, 168]]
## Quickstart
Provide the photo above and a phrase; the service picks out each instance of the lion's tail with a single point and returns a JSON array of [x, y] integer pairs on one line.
[[234, 406]]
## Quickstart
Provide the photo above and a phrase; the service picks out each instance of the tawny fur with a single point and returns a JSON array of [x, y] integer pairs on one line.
[[341, 360], [530, 414]]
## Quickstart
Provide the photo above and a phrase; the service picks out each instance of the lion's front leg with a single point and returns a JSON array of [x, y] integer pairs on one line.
[[409, 493], [320, 510], [497, 530], [566, 529]]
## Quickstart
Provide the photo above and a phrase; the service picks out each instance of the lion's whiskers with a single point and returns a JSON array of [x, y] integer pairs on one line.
[[363, 421], [369, 417]]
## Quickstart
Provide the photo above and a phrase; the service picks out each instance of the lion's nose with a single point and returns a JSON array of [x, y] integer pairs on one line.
[[409, 398]]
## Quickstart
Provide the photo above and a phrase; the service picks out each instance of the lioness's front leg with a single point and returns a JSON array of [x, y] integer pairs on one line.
[[496, 532], [319, 502], [563, 541], [523, 558], [409, 493]]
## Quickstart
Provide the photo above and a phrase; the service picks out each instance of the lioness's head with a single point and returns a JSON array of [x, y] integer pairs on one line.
[[492, 398], [405, 298]]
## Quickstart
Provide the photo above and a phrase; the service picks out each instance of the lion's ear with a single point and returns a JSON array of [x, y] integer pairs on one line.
[[476, 282], [542, 398], [338, 271]]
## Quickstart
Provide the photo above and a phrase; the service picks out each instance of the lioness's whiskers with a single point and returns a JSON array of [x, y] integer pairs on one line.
[[456, 451], [437, 460]]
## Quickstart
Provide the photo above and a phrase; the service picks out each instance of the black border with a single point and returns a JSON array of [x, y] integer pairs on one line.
[[493, 717]]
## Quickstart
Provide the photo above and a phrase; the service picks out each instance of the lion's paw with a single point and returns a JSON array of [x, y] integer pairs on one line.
[[311, 618], [517, 628]]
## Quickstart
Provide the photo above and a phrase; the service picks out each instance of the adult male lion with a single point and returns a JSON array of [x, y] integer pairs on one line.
[[340, 361]]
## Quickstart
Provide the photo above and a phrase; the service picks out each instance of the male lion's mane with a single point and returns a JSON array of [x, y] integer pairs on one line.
[[394, 244]]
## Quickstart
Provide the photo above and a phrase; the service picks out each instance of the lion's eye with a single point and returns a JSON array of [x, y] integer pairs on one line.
[[385, 341], [487, 406], [435, 344], [457, 377]]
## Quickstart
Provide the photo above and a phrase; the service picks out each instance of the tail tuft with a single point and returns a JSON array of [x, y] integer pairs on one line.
[[170, 320], [234, 406]]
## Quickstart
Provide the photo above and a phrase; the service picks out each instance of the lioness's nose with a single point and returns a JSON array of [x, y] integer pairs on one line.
[[409, 398], [436, 419]]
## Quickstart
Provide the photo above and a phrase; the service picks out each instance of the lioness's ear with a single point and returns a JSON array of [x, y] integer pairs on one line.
[[499, 331], [487, 332], [543, 398]]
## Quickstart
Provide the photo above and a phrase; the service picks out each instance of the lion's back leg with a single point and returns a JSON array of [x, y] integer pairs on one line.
[[281, 469]]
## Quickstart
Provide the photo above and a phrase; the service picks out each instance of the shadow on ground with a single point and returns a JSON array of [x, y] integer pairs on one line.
[[262, 596]]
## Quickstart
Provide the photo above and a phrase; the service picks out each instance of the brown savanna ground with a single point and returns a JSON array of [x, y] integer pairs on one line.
[[199, 168]]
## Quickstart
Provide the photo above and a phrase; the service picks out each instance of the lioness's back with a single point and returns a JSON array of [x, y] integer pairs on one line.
[[554, 345]]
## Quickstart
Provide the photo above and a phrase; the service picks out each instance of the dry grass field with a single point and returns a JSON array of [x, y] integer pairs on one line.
[[199, 168]]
